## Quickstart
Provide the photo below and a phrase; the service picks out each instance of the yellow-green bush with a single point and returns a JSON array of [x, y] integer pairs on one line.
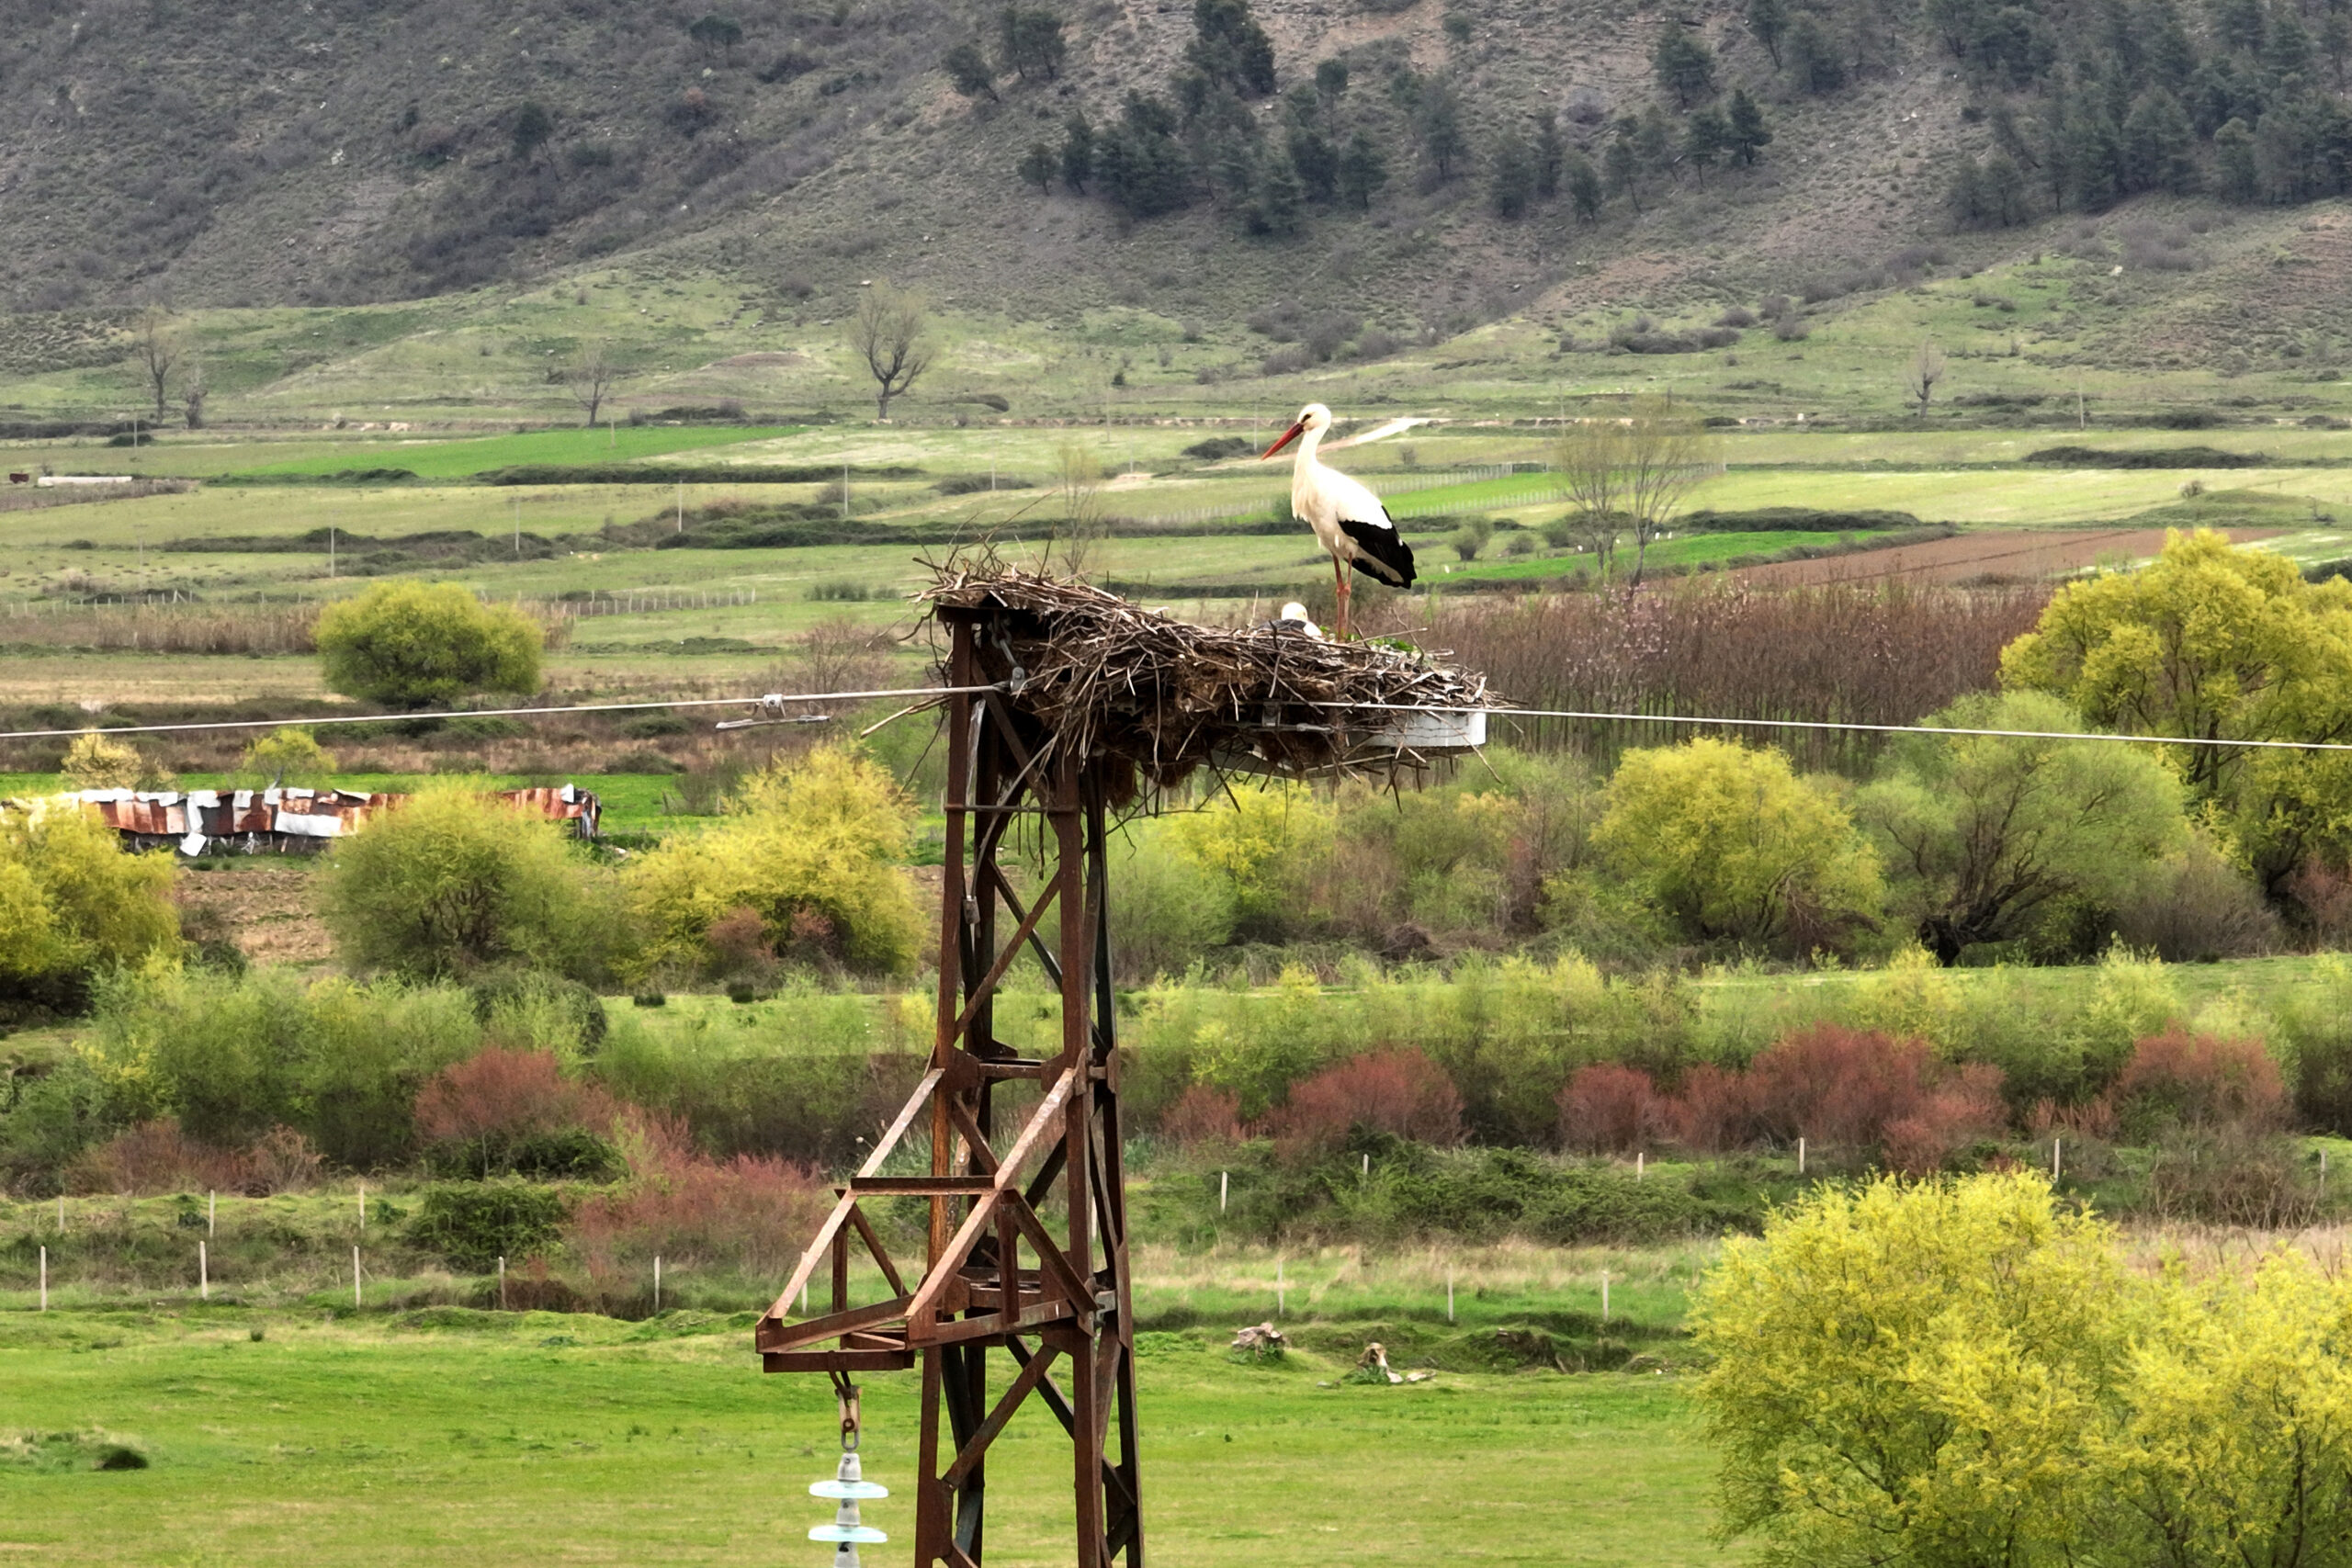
[[813, 848], [72, 904], [1964, 1372], [413, 643], [456, 881], [1734, 845]]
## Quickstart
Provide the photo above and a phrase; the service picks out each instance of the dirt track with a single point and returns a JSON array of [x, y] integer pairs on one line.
[[2011, 556], [271, 909]]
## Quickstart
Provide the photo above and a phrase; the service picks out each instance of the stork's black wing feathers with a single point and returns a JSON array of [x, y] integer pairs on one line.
[[1383, 554]]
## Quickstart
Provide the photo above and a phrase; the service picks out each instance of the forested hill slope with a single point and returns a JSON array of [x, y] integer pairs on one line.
[[1440, 160]]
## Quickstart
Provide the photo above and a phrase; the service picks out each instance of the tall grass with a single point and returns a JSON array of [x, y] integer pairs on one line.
[[162, 627], [1839, 652]]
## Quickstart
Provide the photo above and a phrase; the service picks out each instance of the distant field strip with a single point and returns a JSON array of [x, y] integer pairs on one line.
[[457, 460]]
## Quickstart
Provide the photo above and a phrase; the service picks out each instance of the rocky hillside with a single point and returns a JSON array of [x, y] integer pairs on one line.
[[1427, 164]]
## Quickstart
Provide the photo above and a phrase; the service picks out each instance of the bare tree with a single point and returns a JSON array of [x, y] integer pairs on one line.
[[1927, 369], [887, 334], [1667, 454], [156, 347], [1591, 460], [841, 654], [1077, 482], [1631, 471], [589, 377], [193, 391]]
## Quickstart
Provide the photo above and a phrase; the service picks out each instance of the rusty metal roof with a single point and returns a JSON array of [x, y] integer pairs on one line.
[[281, 817]]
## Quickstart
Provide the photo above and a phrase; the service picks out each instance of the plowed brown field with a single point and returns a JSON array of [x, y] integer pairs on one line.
[[2011, 556]]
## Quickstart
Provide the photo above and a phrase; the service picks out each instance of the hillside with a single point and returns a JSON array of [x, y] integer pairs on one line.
[[348, 151]]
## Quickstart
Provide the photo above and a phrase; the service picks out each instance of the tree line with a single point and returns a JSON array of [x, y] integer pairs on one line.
[[1337, 137]]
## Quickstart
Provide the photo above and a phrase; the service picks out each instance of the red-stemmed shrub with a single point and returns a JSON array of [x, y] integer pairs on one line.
[[500, 1096], [750, 1215], [1610, 1108], [1837, 1088], [1712, 1113], [1202, 1118], [2177, 1078], [1398, 1092], [1962, 1106], [156, 1157]]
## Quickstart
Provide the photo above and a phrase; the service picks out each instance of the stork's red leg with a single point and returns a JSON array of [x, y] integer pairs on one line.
[[1345, 587]]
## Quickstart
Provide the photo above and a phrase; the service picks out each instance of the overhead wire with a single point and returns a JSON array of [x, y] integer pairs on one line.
[[1863, 729], [767, 699], [776, 699]]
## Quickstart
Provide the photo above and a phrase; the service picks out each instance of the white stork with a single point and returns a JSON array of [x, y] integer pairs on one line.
[[1293, 620], [1348, 519]]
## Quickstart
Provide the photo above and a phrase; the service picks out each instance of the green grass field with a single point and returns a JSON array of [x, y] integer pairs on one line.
[[457, 460], [450, 1436]]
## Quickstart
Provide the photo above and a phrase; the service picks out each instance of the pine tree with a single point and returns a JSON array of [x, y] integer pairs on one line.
[[1705, 139], [1585, 193], [2003, 193], [1273, 210], [1142, 167], [1231, 49], [1769, 19], [1030, 42], [1749, 135], [2093, 157], [1316, 162], [1551, 150], [1654, 142], [1331, 81], [2157, 145], [1038, 165], [1814, 62], [1685, 65], [970, 72], [1625, 167], [2233, 160], [1510, 176], [1439, 123], [1966, 196], [1078, 153], [1362, 172]]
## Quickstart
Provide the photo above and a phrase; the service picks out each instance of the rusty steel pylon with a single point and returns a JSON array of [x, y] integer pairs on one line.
[[1032, 1264]]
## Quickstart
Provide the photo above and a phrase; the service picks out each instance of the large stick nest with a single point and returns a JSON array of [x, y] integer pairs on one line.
[[1114, 680]]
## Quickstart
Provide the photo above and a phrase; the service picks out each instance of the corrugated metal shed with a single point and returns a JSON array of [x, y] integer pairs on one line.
[[281, 821]]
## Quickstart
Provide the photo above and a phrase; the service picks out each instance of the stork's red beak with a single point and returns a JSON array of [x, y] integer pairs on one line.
[[1288, 436]]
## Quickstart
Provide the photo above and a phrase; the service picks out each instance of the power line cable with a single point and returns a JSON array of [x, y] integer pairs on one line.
[[1865, 728], [771, 699]]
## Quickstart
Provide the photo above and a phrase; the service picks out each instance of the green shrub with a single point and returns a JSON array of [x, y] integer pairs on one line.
[[452, 884], [814, 848], [289, 754], [1733, 844], [414, 644], [475, 1223], [73, 905]]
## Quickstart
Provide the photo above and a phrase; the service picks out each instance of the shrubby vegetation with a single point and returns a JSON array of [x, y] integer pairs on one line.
[[73, 906], [453, 882], [1968, 1371], [414, 644]]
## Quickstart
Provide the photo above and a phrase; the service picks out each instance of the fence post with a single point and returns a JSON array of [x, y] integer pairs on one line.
[[2055, 1158], [1222, 1174], [502, 1284], [1639, 1155], [44, 1279], [657, 1284], [1800, 1157]]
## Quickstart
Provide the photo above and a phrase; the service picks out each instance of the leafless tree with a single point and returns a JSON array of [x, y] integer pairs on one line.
[[1633, 472], [1077, 484], [1591, 460], [841, 654], [155, 346], [888, 332], [193, 391], [1667, 454], [589, 377], [1927, 369]]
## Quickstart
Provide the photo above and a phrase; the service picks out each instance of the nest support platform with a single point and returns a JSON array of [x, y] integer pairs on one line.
[[1027, 1236]]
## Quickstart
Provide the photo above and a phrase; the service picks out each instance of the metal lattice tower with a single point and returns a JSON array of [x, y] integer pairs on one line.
[[1027, 1250]]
